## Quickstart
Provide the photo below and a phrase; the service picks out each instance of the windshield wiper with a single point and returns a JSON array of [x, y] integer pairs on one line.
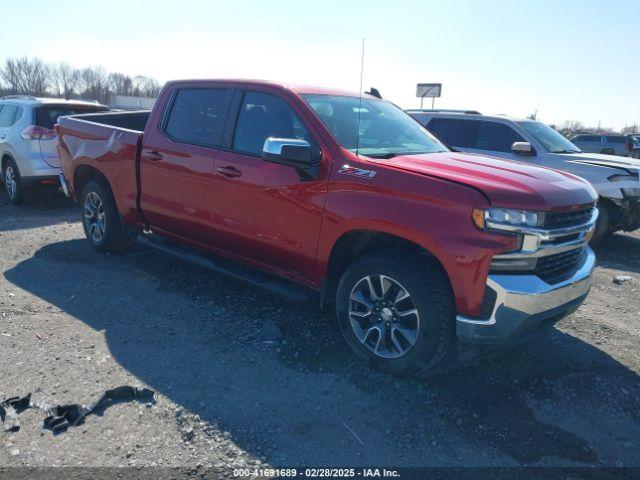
[[566, 151], [383, 155], [395, 154]]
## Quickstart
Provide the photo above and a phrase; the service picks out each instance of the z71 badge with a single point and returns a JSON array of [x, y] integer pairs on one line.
[[356, 172]]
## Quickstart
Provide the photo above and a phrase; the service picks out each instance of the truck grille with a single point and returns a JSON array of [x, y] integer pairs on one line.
[[556, 268], [568, 219]]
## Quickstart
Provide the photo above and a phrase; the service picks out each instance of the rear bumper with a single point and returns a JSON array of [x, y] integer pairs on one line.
[[33, 166], [523, 303], [40, 180]]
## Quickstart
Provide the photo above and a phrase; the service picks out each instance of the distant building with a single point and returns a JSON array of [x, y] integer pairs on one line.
[[130, 103]]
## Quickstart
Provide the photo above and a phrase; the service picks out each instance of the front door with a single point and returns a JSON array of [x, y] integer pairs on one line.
[[265, 212]]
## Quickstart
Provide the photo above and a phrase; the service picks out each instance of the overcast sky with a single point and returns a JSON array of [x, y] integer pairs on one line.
[[568, 59]]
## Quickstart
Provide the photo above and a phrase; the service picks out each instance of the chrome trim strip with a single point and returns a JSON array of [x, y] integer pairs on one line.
[[63, 185], [544, 251]]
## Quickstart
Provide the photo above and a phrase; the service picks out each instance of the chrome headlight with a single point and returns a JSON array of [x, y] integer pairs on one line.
[[506, 218]]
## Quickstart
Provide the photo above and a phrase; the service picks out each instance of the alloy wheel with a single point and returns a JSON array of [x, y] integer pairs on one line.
[[10, 182], [383, 316], [94, 217]]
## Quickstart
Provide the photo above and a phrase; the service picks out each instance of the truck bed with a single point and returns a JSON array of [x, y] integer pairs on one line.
[[109, 143]]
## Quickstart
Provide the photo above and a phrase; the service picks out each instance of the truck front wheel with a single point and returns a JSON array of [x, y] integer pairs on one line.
[[397, 312], [101, 220]]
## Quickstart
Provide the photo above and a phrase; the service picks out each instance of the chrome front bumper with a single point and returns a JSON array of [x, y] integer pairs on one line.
[[525, 302]]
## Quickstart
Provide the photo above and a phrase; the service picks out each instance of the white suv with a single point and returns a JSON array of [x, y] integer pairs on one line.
[[525, 140], [28, 144]]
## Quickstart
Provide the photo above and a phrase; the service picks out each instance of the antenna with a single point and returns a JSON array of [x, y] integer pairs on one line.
[[360, 101]]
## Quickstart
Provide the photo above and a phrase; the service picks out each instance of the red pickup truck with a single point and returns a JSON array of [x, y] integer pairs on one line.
[[424, 252]]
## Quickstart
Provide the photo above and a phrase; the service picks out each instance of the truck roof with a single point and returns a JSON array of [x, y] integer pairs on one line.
[[299, 89]]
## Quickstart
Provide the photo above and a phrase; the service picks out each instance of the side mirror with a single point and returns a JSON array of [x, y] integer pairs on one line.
[[522, 148], [294, 153]]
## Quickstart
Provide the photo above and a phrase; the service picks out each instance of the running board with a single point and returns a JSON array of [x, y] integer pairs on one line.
[[274, 284]]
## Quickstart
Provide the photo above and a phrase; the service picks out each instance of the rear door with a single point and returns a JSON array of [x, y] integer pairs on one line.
[[46, 116], [477, 136], [589, 143], [617, 143], [264, 212], [178, 158]]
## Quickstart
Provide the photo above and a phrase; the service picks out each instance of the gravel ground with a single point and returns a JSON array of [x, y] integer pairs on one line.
[[244, 378]]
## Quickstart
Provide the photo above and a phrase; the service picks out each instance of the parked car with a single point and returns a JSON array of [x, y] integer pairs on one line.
[[28, 144], [424, 253], [607, 144], [525, 140]]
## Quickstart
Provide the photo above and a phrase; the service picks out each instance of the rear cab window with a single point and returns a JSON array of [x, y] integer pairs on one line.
[[197, 116], [47, 115]]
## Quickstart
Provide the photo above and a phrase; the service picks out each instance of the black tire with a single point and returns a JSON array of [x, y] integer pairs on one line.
[[608, 151], [114, 237], [603, 226], [431, 295], [13, 182]]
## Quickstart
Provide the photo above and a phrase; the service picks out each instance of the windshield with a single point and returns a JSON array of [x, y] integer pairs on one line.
[[385, 130], [549, 138]]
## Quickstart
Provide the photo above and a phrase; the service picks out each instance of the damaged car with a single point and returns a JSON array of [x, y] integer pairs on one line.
[[525, 140]]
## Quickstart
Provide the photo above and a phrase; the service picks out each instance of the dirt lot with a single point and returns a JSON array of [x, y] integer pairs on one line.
[[243, 377]]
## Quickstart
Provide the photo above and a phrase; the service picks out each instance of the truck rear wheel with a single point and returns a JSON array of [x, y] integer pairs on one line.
[[397, 313], [101, 219]]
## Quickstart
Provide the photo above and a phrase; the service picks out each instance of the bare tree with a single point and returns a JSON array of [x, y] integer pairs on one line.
[[145, 87], [120, 84], [67, 79], [94, 84], [25, 76], [11, 75], [34, 76]]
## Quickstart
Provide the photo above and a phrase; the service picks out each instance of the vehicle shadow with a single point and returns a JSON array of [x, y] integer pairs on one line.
[[44, 206], [294, 394], [620, 252]]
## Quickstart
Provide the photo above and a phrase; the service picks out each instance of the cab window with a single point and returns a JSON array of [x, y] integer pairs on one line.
[[198, 115], [262, 116]]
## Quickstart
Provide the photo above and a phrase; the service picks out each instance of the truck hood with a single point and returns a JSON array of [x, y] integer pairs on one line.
[[616, 163], [505, 183]]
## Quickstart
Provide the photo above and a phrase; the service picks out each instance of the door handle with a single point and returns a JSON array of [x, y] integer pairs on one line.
[[154, 156], [230, 172], [2, 136]]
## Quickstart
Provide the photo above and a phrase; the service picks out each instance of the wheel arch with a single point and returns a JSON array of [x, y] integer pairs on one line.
[[6, 156], [83, 174], [355, 243]]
